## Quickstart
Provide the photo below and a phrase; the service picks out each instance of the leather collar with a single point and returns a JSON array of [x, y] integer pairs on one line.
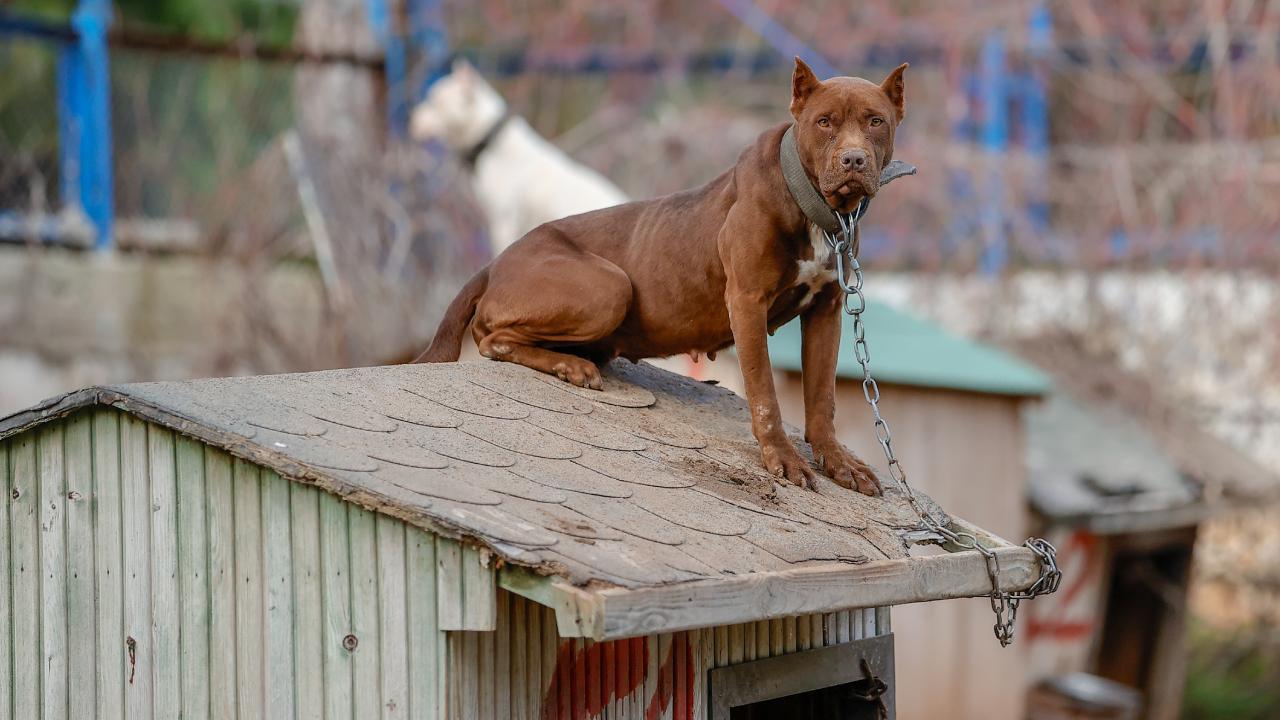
[[815, 206], [473, 153]]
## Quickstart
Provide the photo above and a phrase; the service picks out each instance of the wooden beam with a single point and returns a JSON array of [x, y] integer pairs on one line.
[[579, 612], [612, 613]]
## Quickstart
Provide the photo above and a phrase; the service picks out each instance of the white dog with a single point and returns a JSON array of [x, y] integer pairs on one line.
[[521, 180]]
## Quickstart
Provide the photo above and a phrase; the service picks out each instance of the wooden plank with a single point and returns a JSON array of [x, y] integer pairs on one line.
[[335, 583], [425, 641], [802, 633], [220, 509], [449, 583], [308, 605], [651, 675], [135, 501], [666, 675], [521, 672], [843, 635], [6, 608], [366, 685], [166, 680], [884, 625], [869, 622], [736, 646], [576, 610], [250, 621], [820, 588], [550, 653], [393, 618], [108, 567], [815, 630], [764, 646], [790, 634], [479, 601], [533, 663], [502, 657], [680, 651], [278, 662], [193, 583], [484, 671], [777, 637], [51, 514], [24, 547], [467, 668]]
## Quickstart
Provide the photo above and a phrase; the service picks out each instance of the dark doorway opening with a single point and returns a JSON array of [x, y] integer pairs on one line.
[[852, 681], [838, 702]]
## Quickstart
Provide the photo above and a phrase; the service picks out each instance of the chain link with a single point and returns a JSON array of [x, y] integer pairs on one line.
[[1003, 603]]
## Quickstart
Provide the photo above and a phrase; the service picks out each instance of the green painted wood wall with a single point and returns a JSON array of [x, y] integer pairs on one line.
[[146, 575]]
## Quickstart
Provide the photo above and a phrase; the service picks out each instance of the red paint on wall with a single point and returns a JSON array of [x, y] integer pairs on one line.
[[1079, 558], [578, 689], [586, 680]]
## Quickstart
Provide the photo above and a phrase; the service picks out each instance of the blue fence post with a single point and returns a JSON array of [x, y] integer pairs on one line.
[[1035, 115], [84, 119], [993, 73], [429, 38]]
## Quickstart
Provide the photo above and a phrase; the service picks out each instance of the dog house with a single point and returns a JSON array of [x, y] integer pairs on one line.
[[468, 540]]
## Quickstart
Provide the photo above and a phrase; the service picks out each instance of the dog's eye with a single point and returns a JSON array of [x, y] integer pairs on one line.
[[877, 121], [824, 122]]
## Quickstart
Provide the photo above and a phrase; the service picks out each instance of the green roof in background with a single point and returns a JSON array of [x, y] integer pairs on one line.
[[909, 351]]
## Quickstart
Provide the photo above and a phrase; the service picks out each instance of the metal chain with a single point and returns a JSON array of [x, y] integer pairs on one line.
[[1004, 604]]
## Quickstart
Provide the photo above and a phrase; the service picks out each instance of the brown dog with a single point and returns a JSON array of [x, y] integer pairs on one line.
[[700, 270]]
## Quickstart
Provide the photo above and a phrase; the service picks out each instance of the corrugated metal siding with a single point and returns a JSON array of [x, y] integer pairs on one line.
[[144, 575], [524, 670]]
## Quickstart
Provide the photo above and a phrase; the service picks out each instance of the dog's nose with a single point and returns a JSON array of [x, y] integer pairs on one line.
[[853, 159]]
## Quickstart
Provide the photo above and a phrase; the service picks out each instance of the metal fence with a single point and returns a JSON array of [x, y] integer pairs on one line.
[[1075, 133]]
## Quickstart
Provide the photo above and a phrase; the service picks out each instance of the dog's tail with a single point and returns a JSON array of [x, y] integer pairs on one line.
[[447, 344]]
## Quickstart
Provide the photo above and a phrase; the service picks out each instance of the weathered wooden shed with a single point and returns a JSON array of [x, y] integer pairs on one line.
[[468, 540], [1122, 480]]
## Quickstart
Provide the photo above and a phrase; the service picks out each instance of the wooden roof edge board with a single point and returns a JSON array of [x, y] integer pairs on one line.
[[59, 407], [614, 613]]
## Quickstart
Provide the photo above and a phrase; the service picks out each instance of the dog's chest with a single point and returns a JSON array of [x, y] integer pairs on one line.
[[817, 269]]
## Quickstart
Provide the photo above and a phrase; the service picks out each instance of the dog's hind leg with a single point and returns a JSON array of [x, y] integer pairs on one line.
[[546, 296], [504, 345]]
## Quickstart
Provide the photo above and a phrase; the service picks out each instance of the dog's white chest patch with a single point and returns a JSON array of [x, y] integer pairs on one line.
[[815, 272]]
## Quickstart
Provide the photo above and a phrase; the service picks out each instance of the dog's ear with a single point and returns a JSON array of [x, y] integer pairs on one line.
[[803, 83], [895, 88]]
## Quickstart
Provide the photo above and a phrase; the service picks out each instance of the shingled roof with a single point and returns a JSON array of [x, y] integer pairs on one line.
[[655, 481]]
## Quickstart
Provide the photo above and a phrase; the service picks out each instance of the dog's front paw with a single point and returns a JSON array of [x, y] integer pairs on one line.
[[781, 460], [580, 372], [845, 468]]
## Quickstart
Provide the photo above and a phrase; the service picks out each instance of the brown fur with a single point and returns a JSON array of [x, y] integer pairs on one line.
[[698, 271]]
